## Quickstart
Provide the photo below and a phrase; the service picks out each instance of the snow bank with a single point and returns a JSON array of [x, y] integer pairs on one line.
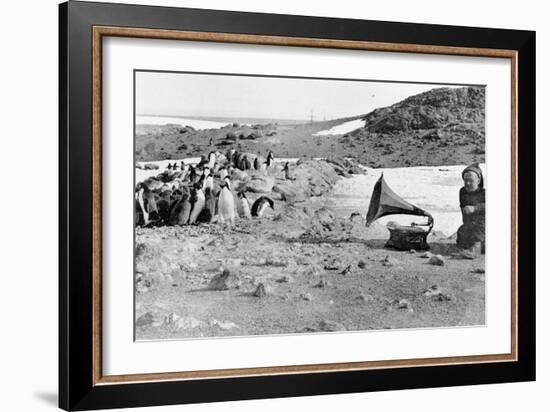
[[434, 189], [342, 128]]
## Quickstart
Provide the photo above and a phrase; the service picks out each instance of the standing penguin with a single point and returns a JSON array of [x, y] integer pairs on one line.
[[242, 163], [197, 203], [147, 202], [270, 157], [211, 160], [179, 213], [223, 173], [226, 203], [209, 211], [286, 169], [169, 166], [244, 206], [257, 165], [260, 205], [192, 175]]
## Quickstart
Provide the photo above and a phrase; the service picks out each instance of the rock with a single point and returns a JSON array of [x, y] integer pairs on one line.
[[324, 216], [322, 283], [403, 304], [426, 255], [436, 260], [333, 264], [365, 298], [146, 319], [233, 262], [479, 271], [312, 271], [331, 326], [222, 325], [437, 294], [224, 281], [150, 166], [443, 297], [389, 262], [346, 271], [260, 291], [412, 251], [357, 219], [291, 191], [175, 322], [433, 290], [306, 296], [361, 264], [285, 279], [260, 184], [276, 261], [144, 283], [240, 175]]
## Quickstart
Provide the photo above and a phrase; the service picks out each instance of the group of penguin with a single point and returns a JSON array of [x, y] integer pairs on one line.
[[199, 194]]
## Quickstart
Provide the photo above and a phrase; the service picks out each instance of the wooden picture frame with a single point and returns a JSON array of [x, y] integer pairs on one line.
[[82, 385]]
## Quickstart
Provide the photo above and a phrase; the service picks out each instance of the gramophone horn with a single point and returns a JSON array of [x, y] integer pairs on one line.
[[385, 202]]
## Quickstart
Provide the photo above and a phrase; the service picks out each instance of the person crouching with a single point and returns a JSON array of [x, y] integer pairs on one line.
[[471, 235]]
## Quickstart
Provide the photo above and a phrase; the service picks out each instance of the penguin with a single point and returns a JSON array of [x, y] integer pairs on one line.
[[260, 205], [179, 213], [286, 169], [175, 166], [197, 203], [223, 173], [270, 156], [245, 164], [169, 166], [230, 156], [226, 203], [208, 182], [192, 175], [244, 206], [163, 205], [211, 160], [209, 211], [257, 165], [147, 203], [183, 166]]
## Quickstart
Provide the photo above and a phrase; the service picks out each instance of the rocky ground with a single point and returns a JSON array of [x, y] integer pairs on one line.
[[297, 270]]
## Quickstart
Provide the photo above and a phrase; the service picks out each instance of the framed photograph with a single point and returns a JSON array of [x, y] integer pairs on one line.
[[256, 206]]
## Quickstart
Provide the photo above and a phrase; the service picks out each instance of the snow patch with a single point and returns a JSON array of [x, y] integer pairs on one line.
[[342, 128]]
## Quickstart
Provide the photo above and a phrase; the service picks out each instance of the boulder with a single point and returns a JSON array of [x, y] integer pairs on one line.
[[436, 260], [331, 326], [239, 175], [260, 291], [291, 191], [224, 281], [260, 184]]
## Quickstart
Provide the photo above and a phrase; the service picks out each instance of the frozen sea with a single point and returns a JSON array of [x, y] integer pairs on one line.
[[197, 124]]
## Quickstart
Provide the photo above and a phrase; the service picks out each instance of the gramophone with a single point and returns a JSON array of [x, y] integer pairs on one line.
[[385, 202]]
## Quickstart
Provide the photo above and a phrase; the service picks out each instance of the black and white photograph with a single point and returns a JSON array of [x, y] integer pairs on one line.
[[269, 205]]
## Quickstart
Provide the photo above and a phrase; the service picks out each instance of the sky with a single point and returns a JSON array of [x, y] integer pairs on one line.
[[215, 95]]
